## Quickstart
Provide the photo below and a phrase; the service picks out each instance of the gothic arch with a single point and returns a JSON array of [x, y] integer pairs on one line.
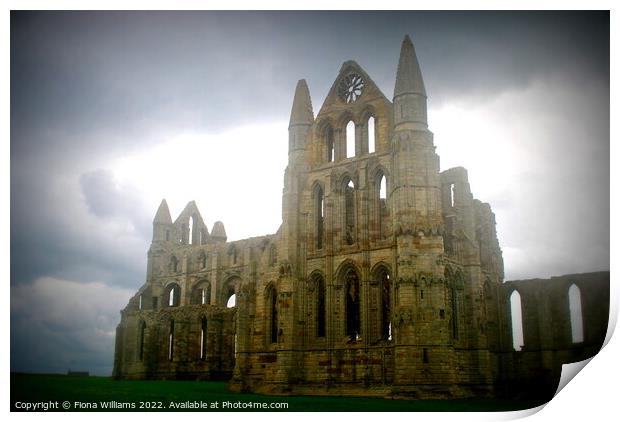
[[271, 314], [318, 305], [367, 112], [344, 118], [322, 125], [201, 293], [382, 275], [350, 277], [318, 215], [327, 138], [172, 295], [229, 288], [344, 266]]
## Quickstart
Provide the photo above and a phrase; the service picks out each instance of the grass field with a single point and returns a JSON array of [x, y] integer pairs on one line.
[[32, 388]]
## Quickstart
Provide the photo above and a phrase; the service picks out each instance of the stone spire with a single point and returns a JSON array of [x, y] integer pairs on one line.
[[409, 91], [301, 113], [408, 77], [163, 214]]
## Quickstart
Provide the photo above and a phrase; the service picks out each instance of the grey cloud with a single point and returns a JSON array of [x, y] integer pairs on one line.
[[75, 321], [107, 199]]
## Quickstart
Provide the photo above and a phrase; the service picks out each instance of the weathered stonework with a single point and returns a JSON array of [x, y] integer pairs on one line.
[[385, 278]]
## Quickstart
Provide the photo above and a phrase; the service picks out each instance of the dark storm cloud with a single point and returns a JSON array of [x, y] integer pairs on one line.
[[88, 87]]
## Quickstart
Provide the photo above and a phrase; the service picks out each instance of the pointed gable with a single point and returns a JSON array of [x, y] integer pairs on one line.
[[352, 89], [190, 210]]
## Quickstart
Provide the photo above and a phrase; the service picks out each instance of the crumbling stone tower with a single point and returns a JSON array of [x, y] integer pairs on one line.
[[385, 277]]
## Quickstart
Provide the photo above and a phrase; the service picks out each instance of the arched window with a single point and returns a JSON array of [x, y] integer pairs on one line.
[[142, 334], [319, 288], [190, 231], [329, 144], [352, 304], [517, 321], [383, 276], [349, 212], [140, 304], [371, 135], [350, 138], [576, 316], [203, 338], [272, 303], [201, 294], [319, 211], [381, 207], [171, 340], [227, 296], [172, 295]]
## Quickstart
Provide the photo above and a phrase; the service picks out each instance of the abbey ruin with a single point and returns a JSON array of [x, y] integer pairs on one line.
[[385, 278]]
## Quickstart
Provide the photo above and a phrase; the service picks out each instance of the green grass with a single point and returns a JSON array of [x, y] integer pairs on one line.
[[45, 388]]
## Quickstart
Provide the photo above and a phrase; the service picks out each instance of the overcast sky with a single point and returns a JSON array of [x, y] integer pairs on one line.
[[113, 111]]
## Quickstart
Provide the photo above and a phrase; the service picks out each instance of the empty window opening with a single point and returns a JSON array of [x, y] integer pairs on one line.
[[425, 355], [190, 231], [382, 188], [203, 296], [274, 316], [171, 341], [452, 194], [172, 295], [203, 339], [350, 138], [142, 333], [576, 316], [352, 291], [171, 298], [320, 311], [422, 294], [140, 302], [517, 321], [232, 301], [320, 217], [442, 314], [371, 135], [329, 143], [386, 325], [349, 214]]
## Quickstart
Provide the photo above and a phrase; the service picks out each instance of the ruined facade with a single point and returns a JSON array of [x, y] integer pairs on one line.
[[385, 277]]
